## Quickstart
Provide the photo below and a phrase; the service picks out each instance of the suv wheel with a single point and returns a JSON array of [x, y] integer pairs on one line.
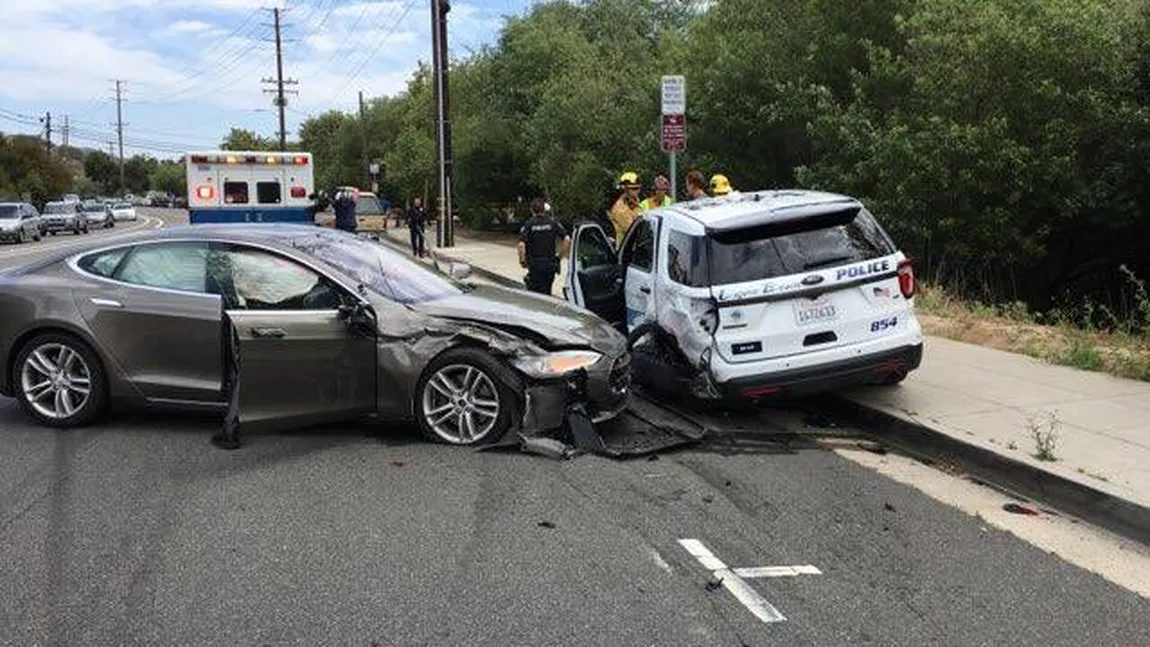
[[60, 381]]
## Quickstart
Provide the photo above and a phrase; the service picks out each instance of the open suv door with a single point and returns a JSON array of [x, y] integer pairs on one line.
[[594, 276]]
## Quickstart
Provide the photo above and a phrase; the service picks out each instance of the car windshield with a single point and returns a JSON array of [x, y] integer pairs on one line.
[[92, 207], [777, 249], [121, 205], [59, 208], [378, 268], [8, 211]]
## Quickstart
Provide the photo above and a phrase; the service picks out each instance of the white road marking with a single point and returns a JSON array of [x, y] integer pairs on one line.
[[776, 571], [660, 561], [731, 581]]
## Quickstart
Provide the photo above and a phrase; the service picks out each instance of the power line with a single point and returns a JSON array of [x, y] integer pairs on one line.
[[408, 6]]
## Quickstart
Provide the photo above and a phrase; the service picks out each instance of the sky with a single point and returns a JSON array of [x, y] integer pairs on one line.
[[191, 69]]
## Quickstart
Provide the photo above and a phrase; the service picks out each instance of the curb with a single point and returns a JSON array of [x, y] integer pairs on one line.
[[438, 256], [1114, 513], [485, 273]]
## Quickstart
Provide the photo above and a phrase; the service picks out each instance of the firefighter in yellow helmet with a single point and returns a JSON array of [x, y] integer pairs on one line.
[[720, 185], [626, 207]]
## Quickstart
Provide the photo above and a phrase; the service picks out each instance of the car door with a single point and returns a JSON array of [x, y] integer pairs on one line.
[[300, 360], [594, 277], [637, 257], [152, 310]]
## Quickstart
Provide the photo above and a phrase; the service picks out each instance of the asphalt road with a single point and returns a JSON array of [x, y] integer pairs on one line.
[[138, 530]]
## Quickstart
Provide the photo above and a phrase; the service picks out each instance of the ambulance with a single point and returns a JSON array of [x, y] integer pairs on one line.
[[250, 186]]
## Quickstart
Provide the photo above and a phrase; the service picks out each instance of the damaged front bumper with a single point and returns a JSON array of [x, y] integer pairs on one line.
[[601, 390]]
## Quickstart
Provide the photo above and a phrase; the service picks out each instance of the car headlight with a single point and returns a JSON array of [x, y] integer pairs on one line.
[[556, 364]]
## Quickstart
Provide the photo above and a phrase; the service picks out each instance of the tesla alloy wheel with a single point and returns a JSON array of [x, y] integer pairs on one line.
[[462, 401], [60, 381]]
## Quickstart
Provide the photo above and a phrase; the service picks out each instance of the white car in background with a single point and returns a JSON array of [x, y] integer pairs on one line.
[[122, 211]]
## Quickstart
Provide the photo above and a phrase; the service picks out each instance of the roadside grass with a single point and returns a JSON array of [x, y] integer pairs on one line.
[[1122, 349]]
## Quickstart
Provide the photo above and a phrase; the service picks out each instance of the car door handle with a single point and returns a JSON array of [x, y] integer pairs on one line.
[[646, 289], [269, 333], [107, 303]]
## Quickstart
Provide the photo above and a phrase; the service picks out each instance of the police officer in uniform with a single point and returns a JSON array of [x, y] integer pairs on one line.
[[542, 241]]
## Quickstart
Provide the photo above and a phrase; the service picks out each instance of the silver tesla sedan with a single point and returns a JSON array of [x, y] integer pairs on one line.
[[296, 326]]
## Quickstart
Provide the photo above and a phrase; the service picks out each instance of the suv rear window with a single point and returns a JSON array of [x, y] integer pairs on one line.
[[781, 249]]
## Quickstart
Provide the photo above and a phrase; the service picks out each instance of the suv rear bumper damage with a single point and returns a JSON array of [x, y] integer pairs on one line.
[[825, 377]]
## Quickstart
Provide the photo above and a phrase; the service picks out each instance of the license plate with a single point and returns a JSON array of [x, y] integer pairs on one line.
[[813, 311]]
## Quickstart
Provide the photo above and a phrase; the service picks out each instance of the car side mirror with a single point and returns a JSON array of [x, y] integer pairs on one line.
[[358, 315], [460, 271]]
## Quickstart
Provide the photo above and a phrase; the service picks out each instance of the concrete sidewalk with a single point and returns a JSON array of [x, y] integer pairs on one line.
[[990, 401]]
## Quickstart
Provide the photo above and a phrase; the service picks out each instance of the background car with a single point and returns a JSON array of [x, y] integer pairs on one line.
[[98, 214], [19, 222], [324, 326], [123, 211], [64, 216]]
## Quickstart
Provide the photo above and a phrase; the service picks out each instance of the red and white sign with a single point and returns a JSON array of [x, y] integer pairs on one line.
[[674, 133]]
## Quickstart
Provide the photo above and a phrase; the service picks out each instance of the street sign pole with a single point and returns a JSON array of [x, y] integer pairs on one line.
[[674, 124]]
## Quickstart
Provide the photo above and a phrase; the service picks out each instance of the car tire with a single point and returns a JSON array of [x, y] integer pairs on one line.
[[449, 411], [70, 406], [38, 237]]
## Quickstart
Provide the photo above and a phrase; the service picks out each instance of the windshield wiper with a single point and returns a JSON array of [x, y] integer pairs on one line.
[[827, 261]]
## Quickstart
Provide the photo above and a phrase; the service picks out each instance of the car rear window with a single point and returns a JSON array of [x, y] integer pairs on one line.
[[827, 240], [777, 249]]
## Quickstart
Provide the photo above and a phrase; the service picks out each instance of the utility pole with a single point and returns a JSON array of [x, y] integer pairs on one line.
[[47, 121], [363, 136], [280, 101], [120, 129], [64, 133], [445, 235]]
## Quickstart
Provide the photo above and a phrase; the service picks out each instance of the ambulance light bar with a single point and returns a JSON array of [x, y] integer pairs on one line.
[[293, 160]]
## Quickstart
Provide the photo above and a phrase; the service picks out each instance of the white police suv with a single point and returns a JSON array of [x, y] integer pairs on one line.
[[754, 295]]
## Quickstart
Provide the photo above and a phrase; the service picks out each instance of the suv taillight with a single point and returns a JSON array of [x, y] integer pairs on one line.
[[906, 278]]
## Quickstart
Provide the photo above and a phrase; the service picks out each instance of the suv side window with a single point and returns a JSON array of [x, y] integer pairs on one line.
[[639, 251], [172, 266], [254, 279], [686, 260]]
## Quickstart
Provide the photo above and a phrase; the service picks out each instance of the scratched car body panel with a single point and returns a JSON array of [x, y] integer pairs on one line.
[[761, 294], [321, 325]]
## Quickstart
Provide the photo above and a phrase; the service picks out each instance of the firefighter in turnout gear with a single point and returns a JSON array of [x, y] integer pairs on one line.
[[626, 208]]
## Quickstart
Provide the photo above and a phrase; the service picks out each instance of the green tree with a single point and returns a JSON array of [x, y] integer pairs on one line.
[[103, 170], [28, 172], [137, 173], [239, 139], [170, 177]]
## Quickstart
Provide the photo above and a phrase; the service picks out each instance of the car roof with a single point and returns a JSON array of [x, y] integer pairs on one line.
[[752, 209]]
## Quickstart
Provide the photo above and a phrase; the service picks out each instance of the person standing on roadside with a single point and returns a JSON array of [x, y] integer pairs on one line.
[[344, 206], [660, 197], [626, 208], [542, 242], [696, 186], [416, 224]]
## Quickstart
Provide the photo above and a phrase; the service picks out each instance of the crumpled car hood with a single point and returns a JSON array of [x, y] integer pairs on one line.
[[523, 313]]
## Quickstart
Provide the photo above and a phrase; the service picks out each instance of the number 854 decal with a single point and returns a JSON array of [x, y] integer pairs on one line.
[[884, 324]]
